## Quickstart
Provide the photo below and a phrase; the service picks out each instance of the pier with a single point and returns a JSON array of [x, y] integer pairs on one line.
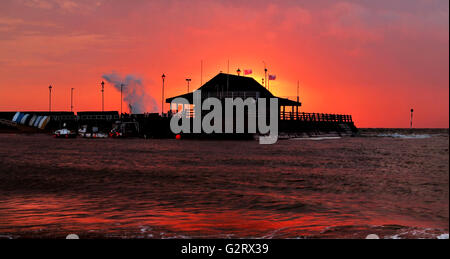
[[291, 121]]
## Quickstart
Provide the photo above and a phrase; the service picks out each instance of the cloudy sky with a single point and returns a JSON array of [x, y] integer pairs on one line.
[[373, 59]]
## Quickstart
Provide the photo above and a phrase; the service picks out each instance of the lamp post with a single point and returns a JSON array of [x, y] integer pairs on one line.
[[71, 99], [238, 71], [411, 124], [162, 100], [188, 80], [121, 87], [103, 97], [50, 98]]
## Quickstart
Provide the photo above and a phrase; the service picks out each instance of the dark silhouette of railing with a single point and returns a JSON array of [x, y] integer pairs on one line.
[[8, 123], [298, 116], [315, 117]]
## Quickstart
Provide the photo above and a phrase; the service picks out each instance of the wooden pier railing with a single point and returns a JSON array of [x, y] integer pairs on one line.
[[315, 117], [300, 116]]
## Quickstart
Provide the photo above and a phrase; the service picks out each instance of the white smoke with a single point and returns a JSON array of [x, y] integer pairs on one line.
[[134, 92]]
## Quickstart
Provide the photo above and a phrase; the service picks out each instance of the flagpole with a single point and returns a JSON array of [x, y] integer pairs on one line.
[[265, 75], [228, 74], [201, 72]]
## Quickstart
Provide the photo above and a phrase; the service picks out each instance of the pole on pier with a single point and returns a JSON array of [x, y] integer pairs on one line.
[[121, 88], [298, 98], [228, 75], [411, 123], [162, 101], [50, 98], [188, 80], [71, 99], [265, 74], [103, 97]]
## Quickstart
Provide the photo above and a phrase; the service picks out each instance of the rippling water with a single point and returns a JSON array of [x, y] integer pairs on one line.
[[132, 188]]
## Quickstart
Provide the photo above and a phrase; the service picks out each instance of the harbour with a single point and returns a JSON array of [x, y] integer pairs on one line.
[[234, 128]]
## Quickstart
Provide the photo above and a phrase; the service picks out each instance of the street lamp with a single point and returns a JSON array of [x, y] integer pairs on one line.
[[121, 87], [71, 99], [50, 98], [162, 100], [103, 97], [188, 80], [412, 110]]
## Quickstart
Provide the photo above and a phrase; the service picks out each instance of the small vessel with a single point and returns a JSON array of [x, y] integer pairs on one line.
[[91, 132], [64, 133], [124, 130]]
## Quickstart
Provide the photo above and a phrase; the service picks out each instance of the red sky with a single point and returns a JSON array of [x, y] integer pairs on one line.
[[372, 59]]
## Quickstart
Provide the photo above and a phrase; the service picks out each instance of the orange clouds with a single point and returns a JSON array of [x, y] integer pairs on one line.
[[374, 60]]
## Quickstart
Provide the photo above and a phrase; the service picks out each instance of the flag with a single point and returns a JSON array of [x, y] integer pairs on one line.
[[272, 77], [247, 71]]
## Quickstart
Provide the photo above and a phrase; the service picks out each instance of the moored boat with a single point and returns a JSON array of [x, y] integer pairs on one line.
[[64, 133]]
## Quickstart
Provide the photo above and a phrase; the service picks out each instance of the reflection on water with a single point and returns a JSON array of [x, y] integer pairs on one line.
[[133, 188]]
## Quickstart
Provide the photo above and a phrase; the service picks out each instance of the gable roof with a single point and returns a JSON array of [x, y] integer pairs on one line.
[[234, 83], [223, 83]]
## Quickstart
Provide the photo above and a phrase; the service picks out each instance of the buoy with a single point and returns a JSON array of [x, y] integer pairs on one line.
[[178, 136]]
